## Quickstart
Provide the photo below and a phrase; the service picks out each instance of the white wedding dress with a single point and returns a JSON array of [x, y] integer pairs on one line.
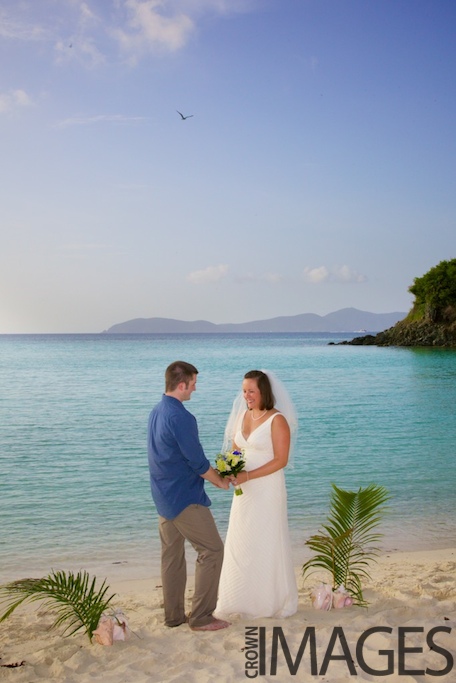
[[258, 578]]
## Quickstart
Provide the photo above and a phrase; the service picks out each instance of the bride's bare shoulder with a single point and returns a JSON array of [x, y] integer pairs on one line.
[[279, 420]]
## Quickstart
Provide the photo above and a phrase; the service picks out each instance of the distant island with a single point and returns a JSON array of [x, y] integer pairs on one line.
[[345, 320]]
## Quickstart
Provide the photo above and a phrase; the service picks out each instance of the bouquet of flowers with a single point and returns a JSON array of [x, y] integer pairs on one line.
[[230, 462]]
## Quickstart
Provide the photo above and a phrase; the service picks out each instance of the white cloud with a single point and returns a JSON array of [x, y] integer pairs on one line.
[[149, 28], [209, 274], [64, 29], [13, 99], [346, 274], [17, 30], [81, 48], [316, 275], [77, 29], [341, 274], [79, 44], [100, 118], [86, 13]]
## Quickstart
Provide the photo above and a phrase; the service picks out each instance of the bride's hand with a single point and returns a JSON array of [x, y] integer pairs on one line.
[[240, 478]]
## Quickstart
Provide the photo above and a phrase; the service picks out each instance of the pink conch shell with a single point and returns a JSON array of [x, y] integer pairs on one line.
[[341, 598], [111, 627], [322, 597], [120, 629], [104, 632]]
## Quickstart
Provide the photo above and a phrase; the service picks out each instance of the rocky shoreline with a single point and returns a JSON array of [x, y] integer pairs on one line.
[[411, 334]]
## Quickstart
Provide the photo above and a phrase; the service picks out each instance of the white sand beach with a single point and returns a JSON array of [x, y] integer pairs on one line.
[[408, 590]]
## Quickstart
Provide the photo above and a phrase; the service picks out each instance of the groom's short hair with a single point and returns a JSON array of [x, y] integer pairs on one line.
[[178, 372], [264, 385]]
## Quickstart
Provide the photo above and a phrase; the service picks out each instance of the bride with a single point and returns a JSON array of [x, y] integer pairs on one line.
[[257, 577]]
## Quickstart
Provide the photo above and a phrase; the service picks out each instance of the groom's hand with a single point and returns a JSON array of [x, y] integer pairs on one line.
[[221, 482], [214, 477], [224, 483]]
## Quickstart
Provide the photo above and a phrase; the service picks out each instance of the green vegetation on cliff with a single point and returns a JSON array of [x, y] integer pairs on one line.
[[435, 294], [432, 318]]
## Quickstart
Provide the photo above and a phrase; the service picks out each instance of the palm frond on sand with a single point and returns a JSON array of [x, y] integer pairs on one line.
[[75, 598], [346, 546]]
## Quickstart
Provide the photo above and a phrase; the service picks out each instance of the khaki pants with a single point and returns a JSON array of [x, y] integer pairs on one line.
[[196, 525]]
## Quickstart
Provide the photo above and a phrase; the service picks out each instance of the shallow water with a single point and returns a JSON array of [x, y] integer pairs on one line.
[[74, 408]]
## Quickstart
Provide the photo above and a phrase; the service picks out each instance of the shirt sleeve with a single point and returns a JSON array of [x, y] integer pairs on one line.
[[186, 432]]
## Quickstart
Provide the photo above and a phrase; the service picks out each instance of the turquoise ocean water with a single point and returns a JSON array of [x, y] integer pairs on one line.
[[74, 487]]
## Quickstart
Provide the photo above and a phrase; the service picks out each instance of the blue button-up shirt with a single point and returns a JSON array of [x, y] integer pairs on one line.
[[176, 458]]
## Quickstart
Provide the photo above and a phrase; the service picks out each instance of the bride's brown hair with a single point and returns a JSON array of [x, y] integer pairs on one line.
[[264, 385]]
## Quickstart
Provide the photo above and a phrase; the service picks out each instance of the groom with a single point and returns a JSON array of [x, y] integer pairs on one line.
[[178, 468]]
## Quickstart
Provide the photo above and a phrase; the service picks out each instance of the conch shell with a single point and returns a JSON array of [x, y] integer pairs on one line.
[[341, 598], [111, 627], [104, 631], [322, 597], [120, 627]]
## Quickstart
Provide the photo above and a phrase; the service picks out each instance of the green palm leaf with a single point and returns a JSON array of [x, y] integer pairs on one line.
[[347, 547], [77, 601]]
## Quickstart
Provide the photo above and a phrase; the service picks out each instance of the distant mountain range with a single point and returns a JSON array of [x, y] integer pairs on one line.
[[345, 320]]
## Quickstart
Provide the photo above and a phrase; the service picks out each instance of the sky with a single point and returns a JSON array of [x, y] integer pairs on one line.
[[316, 170]]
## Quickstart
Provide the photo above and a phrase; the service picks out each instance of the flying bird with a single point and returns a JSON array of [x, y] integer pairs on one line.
[[184, 117]]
